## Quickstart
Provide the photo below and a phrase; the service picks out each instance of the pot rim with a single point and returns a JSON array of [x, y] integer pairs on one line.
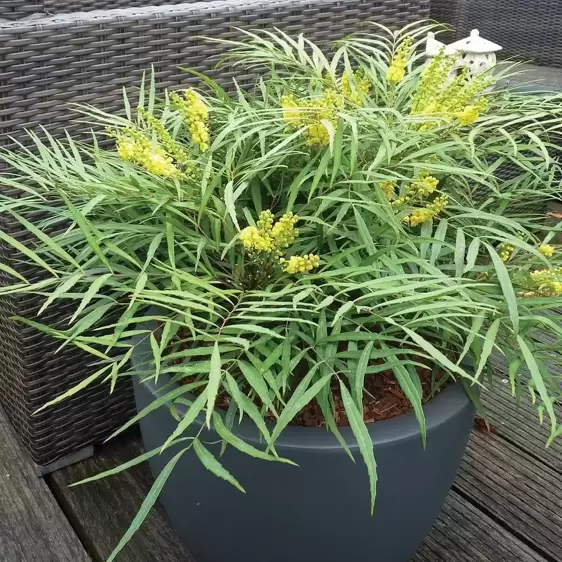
[[442, 409]]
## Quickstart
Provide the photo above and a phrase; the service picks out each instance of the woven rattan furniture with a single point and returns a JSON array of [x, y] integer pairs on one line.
[[88, 57], [17, 9], [529, 30]]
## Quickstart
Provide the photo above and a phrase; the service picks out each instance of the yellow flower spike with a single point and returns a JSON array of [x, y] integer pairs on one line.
[[284, 232], [291, 112], [459, 98], [318, 135], [300, 264], [547, 281], [425, 185], [468, 115], [312, 113], [126, 148], [265, 222], [419, 216], [254, 241], [157, 162], [361, 87], [397, 69], [192, 108], [546, 250], [388, 187], [270, 237], [134, 147], [505, 251]]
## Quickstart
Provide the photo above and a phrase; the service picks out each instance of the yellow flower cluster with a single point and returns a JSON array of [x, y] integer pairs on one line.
[[546, 250], [268, 237], [254, 241], [425, 185], [459, 98], [356, 90], [505, 251], [397, 69], [135, 147], [422, 186], [173, 148], [192, 108], [312, 113], [470, 113], [388, 187], [548, 281], [419, 216], [300, 264]]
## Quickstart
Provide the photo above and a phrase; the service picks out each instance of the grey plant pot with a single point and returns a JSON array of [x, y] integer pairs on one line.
[[318, 511]]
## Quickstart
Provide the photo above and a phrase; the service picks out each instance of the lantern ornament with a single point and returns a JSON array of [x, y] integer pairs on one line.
[[474, 52], [432, 46]]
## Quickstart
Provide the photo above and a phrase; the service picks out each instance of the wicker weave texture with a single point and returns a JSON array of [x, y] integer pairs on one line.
[[530, 30], [34, 371], [65, 6], [16, 9], [87, 58]]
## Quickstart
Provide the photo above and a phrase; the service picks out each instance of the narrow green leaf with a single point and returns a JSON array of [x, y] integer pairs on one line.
[[76, 388], [47, 240], [84, 226], [298, 401], [363, 439], [60, 290], [214, 466], [358, 377], [472, 254], [257, 382], [147, 504], [241, 445], [342, 310], [488, 345], [537, 378], [189, 417], [92, 291], [413, 394], [165, 399], [364, 232], [26, 252], [433, 351], [215, 376], [460, 249], [506, 286], [155, 346], [247, 406], [171, 242], [10, 271]]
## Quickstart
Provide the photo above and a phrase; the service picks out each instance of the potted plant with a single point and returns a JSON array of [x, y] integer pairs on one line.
[[315, 272]]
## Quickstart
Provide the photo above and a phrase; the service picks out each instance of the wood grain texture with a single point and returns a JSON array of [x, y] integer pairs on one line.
[[520, 425], [101, 511], [32, 526], [464, 534], [516, 489]]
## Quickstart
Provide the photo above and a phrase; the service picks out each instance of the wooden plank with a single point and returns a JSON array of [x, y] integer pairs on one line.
[[102, 510], [516, 489], [464, 534], [520, 425], [32, 526]]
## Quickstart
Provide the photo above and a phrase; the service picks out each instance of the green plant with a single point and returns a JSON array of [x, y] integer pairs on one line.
[[345, 217]]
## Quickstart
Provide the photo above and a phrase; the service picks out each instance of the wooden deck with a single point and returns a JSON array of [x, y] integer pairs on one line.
[[505, 506]]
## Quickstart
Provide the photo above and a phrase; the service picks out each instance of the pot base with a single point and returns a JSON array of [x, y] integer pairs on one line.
[[318, 511]]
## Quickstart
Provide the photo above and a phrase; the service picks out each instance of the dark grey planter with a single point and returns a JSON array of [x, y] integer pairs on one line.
[[318, 511]]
